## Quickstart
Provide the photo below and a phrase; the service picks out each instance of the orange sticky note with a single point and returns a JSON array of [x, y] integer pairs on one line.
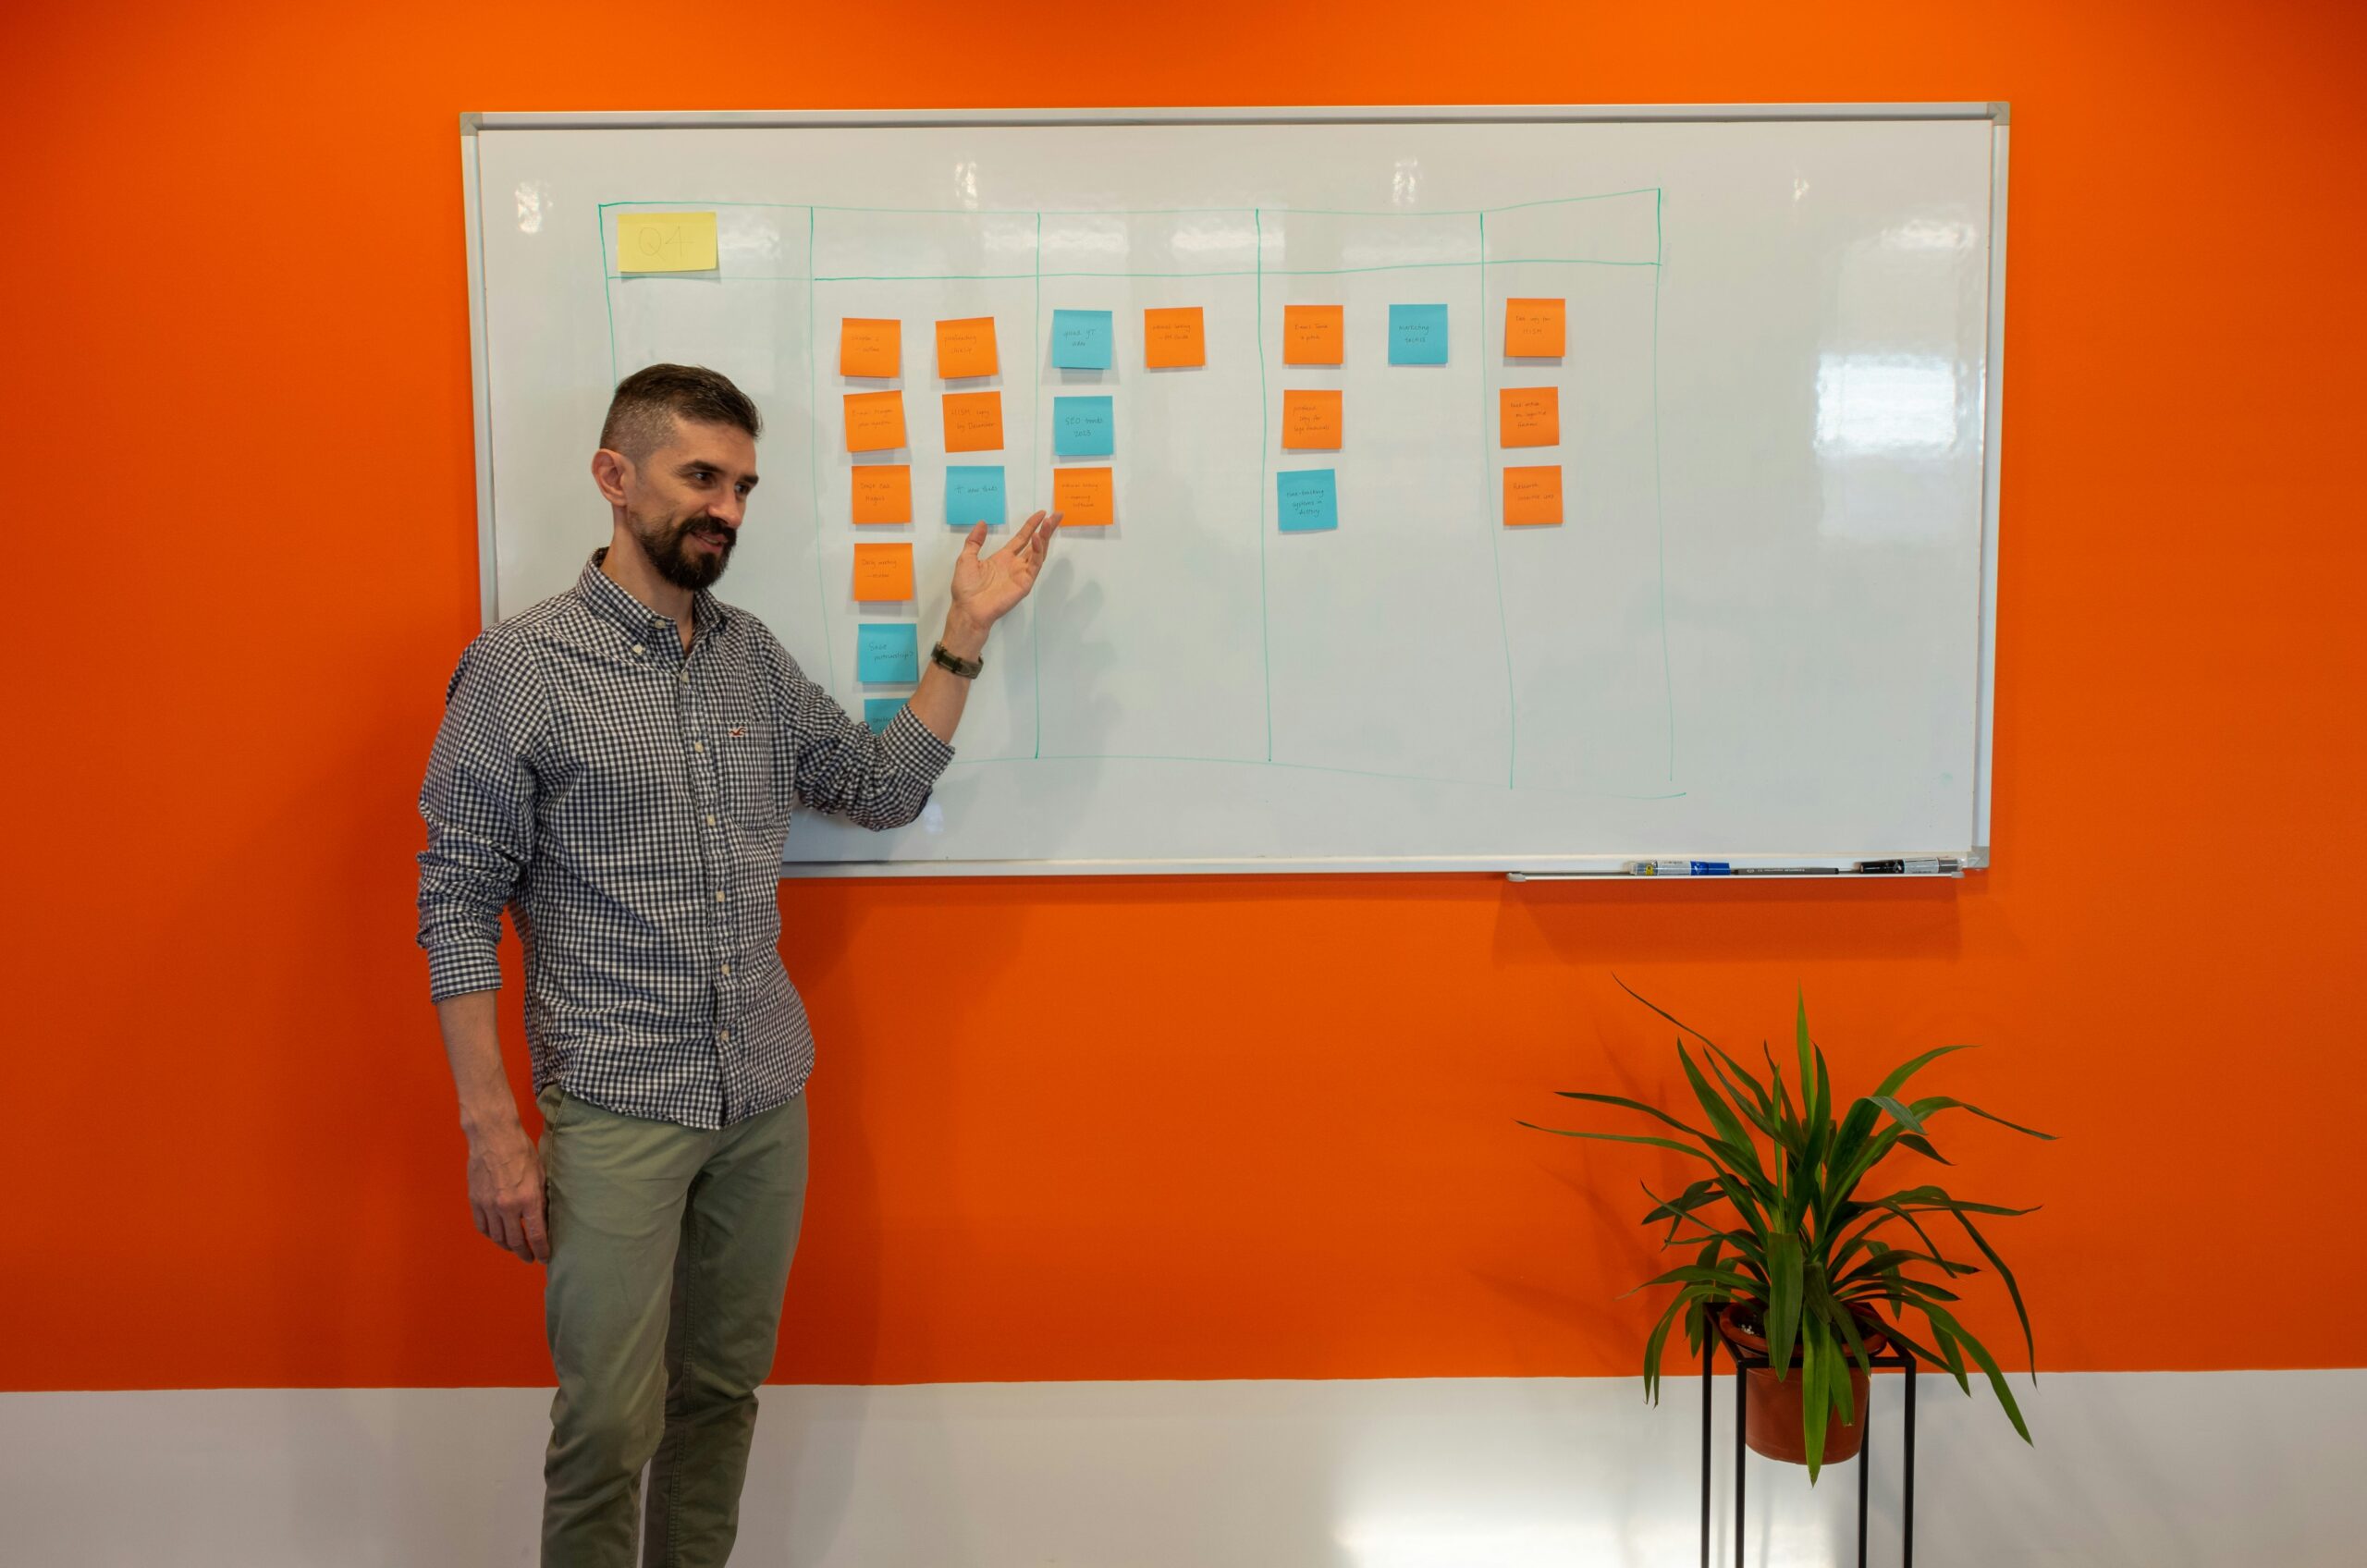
[[1311, 421], [883, 572], [874, 421], [966, 348], [883, 492], [973, 422], [1528, 416], [868, 346], [1532, 496], [1083, 497], [1313, 335], [1174, 338], [1534, 329]]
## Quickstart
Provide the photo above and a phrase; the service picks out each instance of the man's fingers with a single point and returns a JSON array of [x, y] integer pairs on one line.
[[538, 1240], [978, 537]]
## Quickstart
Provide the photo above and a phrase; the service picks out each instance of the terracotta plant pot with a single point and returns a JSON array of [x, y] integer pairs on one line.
[[1774, 1425]]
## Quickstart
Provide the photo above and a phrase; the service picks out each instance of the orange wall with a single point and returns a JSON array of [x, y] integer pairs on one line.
[[1144, 1128]]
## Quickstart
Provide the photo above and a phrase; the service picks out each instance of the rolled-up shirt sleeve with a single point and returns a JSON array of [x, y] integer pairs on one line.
[[478, 801], [874, 780]]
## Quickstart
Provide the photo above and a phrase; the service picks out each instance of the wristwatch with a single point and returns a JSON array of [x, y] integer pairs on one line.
[[966, 668]]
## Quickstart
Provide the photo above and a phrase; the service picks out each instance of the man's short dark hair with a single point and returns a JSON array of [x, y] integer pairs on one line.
[[642, 415]]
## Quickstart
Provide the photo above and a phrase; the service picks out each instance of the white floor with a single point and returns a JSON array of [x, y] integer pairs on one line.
[[2154, 1469]]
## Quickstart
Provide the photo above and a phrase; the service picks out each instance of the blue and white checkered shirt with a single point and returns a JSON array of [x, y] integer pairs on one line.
[[628, 801]]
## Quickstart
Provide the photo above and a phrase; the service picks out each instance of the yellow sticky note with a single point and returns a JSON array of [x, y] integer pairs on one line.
[[1175, 339], [1313, 335], [1528, 416], [664, 241], [1534, 329], [973, 422], [1311, 421], [868, 346], [883, 573], [874, 420], [883, 492], [1083, 497], [966, 348], [1533, 496]]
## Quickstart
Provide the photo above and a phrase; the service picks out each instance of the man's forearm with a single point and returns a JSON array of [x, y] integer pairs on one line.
[[473, 1044], [942, 694]]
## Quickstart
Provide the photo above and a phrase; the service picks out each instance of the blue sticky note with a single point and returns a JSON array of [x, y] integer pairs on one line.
[[1307, 500], [1083, 427], [973, 494], [890, 652], [1081, 339], [880, 712], [1417, 335]]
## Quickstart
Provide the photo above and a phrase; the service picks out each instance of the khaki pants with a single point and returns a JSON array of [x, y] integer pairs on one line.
[[669, 1255]]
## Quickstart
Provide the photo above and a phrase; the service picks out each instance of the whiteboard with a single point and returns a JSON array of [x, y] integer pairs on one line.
[[1760, 634]]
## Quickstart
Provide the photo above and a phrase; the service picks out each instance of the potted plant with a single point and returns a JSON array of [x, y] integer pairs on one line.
[[1793, 1257]]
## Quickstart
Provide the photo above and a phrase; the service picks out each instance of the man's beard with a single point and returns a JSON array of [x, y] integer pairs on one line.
[[668, 548]]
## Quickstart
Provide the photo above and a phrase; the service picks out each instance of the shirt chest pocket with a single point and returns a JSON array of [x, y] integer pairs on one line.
[[748, 768]]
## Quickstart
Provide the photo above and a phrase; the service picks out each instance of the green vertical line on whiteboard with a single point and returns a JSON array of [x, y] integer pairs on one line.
[[1660, 517], [1035, 423], [1265, 614], [1496, 530], [814, 461], [607, 292]]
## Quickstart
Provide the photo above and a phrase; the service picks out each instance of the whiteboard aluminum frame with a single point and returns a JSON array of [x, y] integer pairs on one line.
[[1974, 855]]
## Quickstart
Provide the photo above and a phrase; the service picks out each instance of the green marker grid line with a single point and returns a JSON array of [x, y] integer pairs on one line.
[[1259, 272], [682, 202], [1015, 277]]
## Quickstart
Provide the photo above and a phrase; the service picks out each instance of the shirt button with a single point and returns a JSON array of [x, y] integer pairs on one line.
[[698, 745], [726, 1034], [710, 820], [718, 898], [639, 649]]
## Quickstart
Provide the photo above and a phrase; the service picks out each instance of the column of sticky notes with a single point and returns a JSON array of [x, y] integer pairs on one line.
[[1531, 416], [886, 651], [1085, 424], [1307, 500]]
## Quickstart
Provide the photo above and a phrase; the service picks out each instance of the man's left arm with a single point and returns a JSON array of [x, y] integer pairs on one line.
[[883, 780]]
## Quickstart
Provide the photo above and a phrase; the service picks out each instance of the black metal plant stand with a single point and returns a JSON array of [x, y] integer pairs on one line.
[[1744, 1361]]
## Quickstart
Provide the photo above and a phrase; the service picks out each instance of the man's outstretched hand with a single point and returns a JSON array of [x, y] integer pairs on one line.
[[987, 587]]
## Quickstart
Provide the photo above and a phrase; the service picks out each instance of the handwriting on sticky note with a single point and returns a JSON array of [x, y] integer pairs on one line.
[[883, 492], [887, 652], [973, 422], [1311, 421], [871, 347], [874, 420], [1083, 427], [1175, 339], [883, 572], [1533, 496], [1534, 329], [665, 242], [880, 712], [1528, 416], [1307, 500], [973, 494], [1313, 335], [1083, 497], [966, 348], [1417, 335], [1081, 339]]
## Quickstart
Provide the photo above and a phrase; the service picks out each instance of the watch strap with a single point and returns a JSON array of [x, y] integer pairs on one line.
[[966, 668]]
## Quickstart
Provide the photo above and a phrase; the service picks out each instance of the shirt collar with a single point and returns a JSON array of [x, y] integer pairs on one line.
[[608, 597]]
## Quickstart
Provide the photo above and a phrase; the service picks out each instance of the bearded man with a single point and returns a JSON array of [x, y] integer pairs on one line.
[[617, 765]]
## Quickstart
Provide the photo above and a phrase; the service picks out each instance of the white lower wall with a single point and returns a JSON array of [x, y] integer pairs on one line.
[[2152, 1469]]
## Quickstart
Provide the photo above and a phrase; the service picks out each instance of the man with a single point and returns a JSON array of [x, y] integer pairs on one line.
[[617, 765]]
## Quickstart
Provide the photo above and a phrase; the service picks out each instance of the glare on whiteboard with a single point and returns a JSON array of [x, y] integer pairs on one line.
[[1894, 405]]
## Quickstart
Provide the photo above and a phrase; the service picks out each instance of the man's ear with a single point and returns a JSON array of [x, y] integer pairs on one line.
[[610, 470]]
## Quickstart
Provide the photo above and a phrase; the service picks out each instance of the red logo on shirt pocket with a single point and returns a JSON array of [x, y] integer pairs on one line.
[[738, 730]]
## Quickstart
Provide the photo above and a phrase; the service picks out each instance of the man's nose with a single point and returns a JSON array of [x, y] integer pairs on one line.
[[730, 512]]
